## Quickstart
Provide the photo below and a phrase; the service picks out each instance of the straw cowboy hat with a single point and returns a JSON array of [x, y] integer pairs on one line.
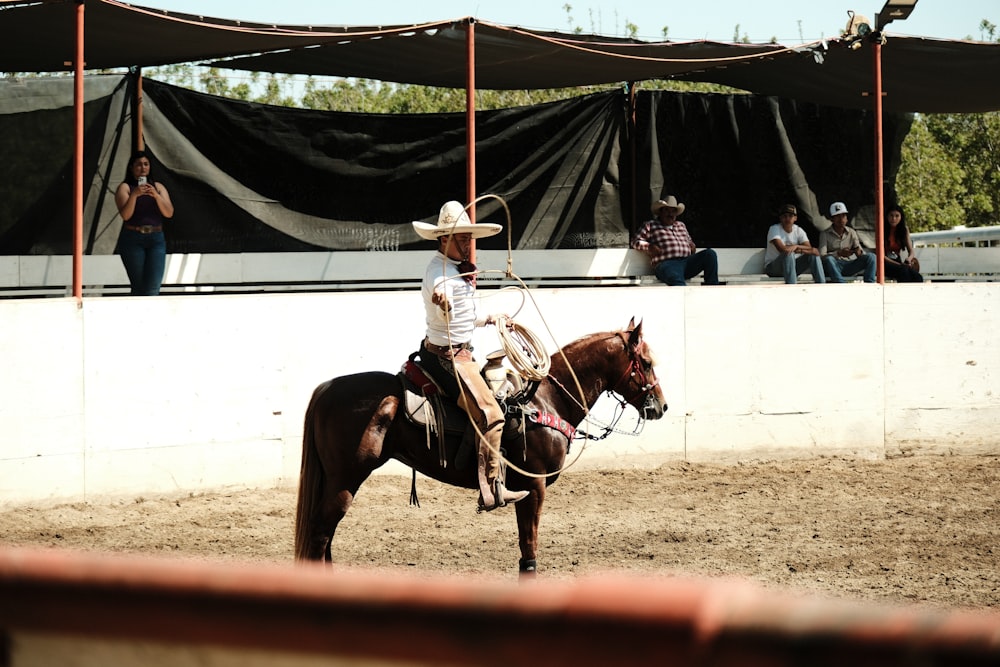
[[669, 202], [454, 220]]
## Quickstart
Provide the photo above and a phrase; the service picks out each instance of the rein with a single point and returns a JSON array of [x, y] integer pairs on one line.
[[608, 428], [645, 387]]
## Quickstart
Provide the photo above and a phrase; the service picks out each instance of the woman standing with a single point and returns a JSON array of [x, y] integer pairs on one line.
[[144, 205], [896, 240]]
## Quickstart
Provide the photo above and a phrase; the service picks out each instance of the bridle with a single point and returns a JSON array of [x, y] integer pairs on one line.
[[636, 374]]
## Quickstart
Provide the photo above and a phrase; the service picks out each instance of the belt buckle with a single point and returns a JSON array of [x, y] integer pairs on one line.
[[146, 229]]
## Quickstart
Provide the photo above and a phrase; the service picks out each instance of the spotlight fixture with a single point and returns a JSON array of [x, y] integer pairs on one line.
[[894, 10], [858, 26]]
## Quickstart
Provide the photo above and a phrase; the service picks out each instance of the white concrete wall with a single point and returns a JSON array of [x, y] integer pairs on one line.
[[149, 396]]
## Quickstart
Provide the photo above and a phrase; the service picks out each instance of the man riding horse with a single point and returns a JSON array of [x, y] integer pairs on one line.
[[449, 289]]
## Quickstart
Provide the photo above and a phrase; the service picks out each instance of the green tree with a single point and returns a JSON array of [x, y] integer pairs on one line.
[[950, 173], [930, 182], [974, 140]]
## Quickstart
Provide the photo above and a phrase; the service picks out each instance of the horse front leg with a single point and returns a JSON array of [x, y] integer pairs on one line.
[[529, 514]]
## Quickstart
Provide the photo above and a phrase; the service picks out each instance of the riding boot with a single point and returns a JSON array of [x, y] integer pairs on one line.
[[486, 498], [504, 495], [491, 465]]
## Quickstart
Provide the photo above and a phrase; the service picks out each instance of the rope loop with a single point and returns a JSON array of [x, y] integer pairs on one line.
[[524, 349]]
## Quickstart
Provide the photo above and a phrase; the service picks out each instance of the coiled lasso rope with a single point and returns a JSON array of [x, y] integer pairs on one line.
[[524, 350]]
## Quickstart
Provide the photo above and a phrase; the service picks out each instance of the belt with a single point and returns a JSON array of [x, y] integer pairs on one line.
[[144, 229], [444, 349]]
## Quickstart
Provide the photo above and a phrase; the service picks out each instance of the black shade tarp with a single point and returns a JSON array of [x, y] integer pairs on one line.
[[734, 159], [919, 74], [40, 36], [255, 178]]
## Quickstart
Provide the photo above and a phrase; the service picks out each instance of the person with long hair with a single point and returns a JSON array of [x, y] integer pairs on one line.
[[144, 205], [896, 239]]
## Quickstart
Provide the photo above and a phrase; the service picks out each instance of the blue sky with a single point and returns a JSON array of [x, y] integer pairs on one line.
[[790, 21]]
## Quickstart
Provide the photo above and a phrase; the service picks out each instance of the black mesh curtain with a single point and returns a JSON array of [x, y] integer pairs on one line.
[[36, 172], [734, 159], [254, 178], [350, 181]]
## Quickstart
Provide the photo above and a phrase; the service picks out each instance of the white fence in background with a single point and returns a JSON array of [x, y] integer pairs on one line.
[[977, 236], [960, 254]]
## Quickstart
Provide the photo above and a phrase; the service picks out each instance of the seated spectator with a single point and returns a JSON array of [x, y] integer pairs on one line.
[[671, 249], [896, 239], [789, 252], [840, 248]]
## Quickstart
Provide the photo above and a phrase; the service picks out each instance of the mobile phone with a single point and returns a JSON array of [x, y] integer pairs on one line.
[[141, 180]]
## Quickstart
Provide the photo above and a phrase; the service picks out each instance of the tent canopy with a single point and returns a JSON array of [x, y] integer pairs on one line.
[[919, 74]]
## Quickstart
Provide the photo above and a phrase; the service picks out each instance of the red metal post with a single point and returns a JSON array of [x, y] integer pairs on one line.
[[140, 141], [633, 160], [470, 121], [879, 192], [78, 156]]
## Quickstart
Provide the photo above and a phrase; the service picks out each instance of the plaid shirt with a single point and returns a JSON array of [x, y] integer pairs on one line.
[[671, 242]]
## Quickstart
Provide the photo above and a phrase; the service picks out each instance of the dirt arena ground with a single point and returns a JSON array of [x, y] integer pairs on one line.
[[918, 529]]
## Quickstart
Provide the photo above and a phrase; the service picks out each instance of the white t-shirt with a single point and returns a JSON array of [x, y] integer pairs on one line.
[[443, 276], [797, 236]]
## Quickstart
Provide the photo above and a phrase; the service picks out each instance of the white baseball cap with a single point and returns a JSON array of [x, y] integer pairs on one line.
[[837, 207]]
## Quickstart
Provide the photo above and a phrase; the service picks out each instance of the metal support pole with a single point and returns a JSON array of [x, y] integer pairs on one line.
[[78, 156], [879, 178], [470, 122], [137, 130]]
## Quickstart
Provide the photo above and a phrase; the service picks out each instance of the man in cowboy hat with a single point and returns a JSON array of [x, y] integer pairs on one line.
[[671, 249], [449, 288]]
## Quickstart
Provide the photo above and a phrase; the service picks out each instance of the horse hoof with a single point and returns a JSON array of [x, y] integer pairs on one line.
[[528, 567]]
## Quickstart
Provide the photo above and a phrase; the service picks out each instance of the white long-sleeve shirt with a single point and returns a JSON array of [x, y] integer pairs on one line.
[[442, 276]]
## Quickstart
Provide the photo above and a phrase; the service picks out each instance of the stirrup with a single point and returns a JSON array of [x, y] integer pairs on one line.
[[502, 497]]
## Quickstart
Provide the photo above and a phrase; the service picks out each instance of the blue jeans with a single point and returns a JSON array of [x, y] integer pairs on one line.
[[675, 271], [838, 268], [145, 258], [791, 265]]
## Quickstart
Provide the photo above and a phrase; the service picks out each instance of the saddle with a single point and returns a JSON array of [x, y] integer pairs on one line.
[[426, 404]]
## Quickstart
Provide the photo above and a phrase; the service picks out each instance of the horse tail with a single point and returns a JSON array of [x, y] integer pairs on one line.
[[310, 480]]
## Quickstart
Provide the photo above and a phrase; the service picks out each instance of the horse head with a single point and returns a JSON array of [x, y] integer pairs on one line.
[[638, 384]]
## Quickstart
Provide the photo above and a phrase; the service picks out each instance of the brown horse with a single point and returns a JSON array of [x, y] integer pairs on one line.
[[353, 425]]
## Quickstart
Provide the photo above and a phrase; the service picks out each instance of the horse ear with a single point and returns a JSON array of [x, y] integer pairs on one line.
[[634, 333], [631, 324]]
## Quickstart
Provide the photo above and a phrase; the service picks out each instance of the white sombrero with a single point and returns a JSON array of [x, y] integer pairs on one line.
[[454, 220]]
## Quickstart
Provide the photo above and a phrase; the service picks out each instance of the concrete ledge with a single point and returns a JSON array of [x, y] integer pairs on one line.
[[247, 273]]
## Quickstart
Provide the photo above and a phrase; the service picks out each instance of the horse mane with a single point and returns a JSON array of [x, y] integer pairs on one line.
[[570, 352]]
